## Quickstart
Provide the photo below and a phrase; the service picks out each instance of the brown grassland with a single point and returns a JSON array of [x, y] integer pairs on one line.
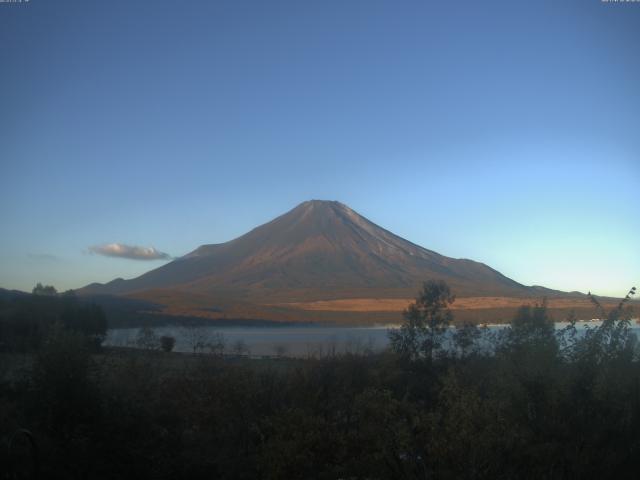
[[354, 311]]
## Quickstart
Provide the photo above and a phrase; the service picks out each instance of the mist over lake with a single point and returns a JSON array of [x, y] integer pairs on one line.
[[294, 341]]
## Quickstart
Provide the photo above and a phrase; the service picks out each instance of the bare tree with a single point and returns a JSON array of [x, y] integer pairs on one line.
[[217, 344], [240, 348], [147, 339], [197, 338]]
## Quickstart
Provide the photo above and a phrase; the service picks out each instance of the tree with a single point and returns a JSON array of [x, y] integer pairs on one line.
[[46, 290], [88, 320], [147, 339], [425, 322], [167, 343], [465, 338], [197, 337], [532, 330], [217, 344], [240, 348], [30, 318]]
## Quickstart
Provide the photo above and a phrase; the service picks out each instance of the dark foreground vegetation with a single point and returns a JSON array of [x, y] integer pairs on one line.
[[527, 402]]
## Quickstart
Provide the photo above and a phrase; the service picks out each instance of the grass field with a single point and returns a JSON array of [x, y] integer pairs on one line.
[[359, 310]]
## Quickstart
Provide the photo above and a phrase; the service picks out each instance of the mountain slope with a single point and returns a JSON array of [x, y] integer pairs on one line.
[[318, 250]]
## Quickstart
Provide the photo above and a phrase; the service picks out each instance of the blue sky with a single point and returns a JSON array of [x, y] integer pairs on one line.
[[505, 132]]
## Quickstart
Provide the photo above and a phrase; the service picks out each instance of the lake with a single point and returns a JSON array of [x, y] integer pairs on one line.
[[287, 340]]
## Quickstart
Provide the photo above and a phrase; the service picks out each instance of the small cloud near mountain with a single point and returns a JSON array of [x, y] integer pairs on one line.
[[132, 252]]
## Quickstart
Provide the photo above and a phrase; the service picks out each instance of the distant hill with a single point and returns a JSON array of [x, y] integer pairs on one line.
[[11, 294], [319, 251]]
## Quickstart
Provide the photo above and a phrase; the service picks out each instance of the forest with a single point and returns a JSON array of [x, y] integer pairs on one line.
[[528, 401]]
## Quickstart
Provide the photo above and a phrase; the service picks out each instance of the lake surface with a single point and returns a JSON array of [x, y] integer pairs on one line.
[[289, 341]]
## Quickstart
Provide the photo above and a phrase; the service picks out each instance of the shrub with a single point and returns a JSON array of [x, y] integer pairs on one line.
[[167, 343]]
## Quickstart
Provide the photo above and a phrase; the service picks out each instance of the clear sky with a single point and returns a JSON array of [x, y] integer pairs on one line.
[[506, 132]]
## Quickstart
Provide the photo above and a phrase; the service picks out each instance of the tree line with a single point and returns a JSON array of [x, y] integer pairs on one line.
[[524, 402], [26, 321]]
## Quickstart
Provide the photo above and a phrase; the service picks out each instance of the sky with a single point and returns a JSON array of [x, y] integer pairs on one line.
[[507, 132]]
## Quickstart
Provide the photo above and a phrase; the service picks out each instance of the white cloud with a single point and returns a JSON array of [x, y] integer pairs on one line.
[[132, 252]]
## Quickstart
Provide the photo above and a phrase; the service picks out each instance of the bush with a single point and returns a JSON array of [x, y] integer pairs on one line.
[[167, 343]]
